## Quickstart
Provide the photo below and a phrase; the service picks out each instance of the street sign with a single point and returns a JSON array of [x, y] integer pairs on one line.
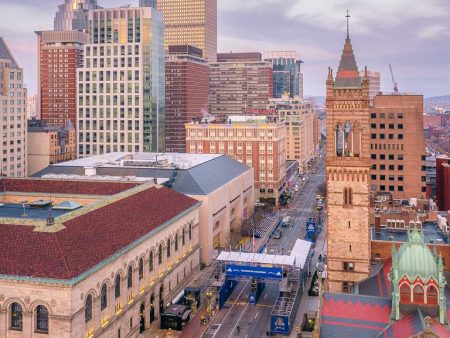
[[251, 298], [279, 324], [234, 270]]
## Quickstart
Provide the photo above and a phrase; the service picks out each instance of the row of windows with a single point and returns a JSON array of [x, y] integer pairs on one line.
[[40, 317], [117, 281], [391, 157], [383, 126], [383, 115], [383, 136]]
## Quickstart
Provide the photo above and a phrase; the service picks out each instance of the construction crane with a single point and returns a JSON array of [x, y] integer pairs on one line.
[[394, 83]]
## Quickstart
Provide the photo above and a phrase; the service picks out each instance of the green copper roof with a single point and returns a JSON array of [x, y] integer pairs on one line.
[[415, 258]]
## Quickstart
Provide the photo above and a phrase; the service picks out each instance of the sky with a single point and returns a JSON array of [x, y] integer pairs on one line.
[[412, 35]]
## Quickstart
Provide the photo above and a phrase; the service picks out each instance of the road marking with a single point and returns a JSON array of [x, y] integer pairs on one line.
[[239, 319], [265, 296], [256, 316]]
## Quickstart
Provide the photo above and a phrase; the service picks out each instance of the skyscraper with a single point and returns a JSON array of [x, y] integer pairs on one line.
[[73, 15], [187, 93], [13, 106], [348, 174], [60, 53], [374, 83], [121, 85], [191, 22], [287, 75], [147, 3], [239, 83]]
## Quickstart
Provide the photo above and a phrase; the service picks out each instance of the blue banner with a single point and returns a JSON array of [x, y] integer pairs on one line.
[[234, 270], [279, 324]]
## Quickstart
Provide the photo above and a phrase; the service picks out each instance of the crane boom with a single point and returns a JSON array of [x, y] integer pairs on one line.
[[394, 83]]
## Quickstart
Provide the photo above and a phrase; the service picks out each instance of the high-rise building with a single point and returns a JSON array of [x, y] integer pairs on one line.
[[191, 22], [252, 140], [120, 88], [72, 15], [240, 83], [374, 83], [287, 75], [13, 107], [397, 145], [187, 93], [49, 144], [32, 107], [348, 174], [60, 53], [298, 114]]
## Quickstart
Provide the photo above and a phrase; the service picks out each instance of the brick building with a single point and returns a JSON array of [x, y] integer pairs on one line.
[[348, 174], [63, 279], [60, 53], [443, 183], [397, 145], [251, 140], [239, 83], [187, 93]]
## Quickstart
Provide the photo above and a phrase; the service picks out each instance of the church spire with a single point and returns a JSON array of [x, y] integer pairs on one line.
[[347, 74]]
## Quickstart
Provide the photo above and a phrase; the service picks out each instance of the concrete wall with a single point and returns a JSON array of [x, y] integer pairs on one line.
[[38, 151]]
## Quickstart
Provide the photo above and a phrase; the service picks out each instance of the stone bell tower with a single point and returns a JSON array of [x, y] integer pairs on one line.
[[348, 173]]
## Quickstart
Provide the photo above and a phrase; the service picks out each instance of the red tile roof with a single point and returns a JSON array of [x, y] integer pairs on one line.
[[65, 187], [89, 239]]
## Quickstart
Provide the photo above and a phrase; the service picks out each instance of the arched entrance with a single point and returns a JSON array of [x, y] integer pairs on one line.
[[142, 318], [161, 300], [152, 308]]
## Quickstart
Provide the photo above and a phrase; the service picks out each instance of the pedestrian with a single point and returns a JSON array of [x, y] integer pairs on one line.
[[238, 329]]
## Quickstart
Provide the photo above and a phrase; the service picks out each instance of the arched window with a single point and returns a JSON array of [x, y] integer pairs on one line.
[[88, 308], [190, 231], [432, 295], [104, 297], [418, 294], [405, 294], [168, 248], [160, 254], [41, 319], [117, 286], [141, 268], [130, 277], [176, 241], [150, 261], [16, 317], [350, 196], [183, 235]]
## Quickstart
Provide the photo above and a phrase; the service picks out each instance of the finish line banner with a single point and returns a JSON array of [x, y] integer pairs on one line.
[[234, 270]]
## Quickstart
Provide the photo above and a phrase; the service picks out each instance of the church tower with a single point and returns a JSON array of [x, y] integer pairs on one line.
[[348, 174]]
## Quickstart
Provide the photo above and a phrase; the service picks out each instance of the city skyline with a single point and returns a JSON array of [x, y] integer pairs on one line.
[[410, 35]]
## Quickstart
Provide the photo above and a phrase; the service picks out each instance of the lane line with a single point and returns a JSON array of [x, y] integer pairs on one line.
[[239, 319], [256, 316]]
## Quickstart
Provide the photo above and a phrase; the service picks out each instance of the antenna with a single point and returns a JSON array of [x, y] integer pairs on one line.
[[348, 18]]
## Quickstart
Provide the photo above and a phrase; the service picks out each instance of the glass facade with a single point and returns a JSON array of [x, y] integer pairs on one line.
[[287, 76], [73, 15]]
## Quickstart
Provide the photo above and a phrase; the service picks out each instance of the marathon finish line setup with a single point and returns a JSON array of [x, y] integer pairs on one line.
[[289, 271]]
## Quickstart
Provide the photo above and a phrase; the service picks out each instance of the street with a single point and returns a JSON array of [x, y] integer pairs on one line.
[[240, 319]]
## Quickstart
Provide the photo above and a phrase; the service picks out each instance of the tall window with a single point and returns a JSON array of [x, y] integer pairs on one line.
[[183, 236], [41, 319], [176, 241], [117, 287], [432, 294], [16, 317], [141, 268], [88, 308], [168, 248], [130, 277], [160, 254], [104, 297], [190, 231], [348, 196], [418, 294], [150, 261]]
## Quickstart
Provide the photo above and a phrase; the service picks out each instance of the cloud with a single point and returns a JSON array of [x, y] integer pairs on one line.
[[19, 18], [434, 31]]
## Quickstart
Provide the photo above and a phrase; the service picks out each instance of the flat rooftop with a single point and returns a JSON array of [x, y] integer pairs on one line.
[[148, 160], [432, 234], [12, 210]]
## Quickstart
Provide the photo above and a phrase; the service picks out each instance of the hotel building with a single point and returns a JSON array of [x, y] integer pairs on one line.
[[121, 85], [251, 140]]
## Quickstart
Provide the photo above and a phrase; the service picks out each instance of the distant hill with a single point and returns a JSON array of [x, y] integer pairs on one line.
[[445, 99]]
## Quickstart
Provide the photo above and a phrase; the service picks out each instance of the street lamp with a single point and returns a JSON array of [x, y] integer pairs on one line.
[[23, 206]]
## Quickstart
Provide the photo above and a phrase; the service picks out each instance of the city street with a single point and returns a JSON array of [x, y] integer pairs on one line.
[[240, 319]]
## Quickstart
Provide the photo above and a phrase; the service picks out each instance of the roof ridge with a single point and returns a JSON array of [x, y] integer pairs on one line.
[[66, 265]]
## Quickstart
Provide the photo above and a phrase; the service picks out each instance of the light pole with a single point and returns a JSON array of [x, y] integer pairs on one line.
[[23, 206]]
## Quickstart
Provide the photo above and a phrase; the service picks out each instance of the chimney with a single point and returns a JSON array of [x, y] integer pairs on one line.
[[377, 223]]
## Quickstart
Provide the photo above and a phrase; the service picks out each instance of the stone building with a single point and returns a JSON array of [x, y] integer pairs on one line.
[[84, 258], [348, 174]]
